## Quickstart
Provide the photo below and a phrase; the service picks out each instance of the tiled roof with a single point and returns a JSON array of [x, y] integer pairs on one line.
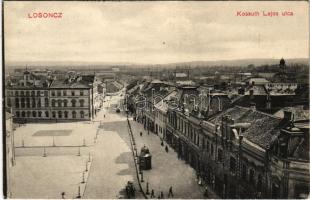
[[263, 129]]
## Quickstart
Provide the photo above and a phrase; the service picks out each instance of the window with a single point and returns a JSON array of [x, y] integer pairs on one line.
[[54, 114], [81, 92], [219, 155], [72, 93], [39, 114], [65, 103], [38, 93], [64, 93], [53, 102], [59, 103], [251, 178], [28, 113], [34, 114], [27, 93], [23, 102], [22, 93], [66, 114], [9, 103], [259, 183], [73, 114], [16, 93], [53, 93], [46, 93], [212, 149], [23, 114], [39, 103], [46, 102], [58, 92], [82, 102], [59, 114], [82, 114], [28, 102], [232, 164], [17, 114], [17, 102], [73, 102], [33, 103], [244, 172], [33, 93], [46, 114]]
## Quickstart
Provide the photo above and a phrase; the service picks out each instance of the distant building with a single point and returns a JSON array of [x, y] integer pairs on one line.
[[48, 98]]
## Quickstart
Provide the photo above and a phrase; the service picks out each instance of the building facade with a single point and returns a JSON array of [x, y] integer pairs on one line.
[[71, 98]]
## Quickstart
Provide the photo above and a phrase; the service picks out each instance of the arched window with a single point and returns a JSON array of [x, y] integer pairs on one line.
[[73, 114], [46, 102], [82, 102], [54, 114], [53, 102], [82, 114], [17, 114], [17, 102], [73, 102], [47, 114], [66, 114], [59, 103], [33, 102], [59, 114], [34, 114], [23, 114], [39, 103], [40, 114], [65, 103]]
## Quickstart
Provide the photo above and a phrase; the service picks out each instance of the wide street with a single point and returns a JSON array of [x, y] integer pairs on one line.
[[106, 141]]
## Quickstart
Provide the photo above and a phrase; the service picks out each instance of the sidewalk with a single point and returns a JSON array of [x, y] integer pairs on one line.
[[167, 170]]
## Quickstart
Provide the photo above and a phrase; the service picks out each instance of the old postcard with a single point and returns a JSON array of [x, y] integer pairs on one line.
[[160, 100]]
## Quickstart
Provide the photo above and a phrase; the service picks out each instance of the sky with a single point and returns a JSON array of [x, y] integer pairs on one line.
[[154, 32]]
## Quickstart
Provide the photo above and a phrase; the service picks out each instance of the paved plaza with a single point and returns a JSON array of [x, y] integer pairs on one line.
[[52, 158]]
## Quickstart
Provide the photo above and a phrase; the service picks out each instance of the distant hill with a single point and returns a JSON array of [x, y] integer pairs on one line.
[[102, 65]]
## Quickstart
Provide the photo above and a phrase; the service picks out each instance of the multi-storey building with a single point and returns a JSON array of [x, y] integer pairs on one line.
[[242, 152], [51, 98]]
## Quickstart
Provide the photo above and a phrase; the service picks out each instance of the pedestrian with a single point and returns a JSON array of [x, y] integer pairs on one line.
[[166, 149], [141, 133], [161, 195], [152, 194], [206, 191], [170, 194], [63, 195]]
